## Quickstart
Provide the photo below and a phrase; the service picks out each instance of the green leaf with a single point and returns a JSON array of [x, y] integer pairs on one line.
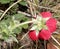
[[24, 3], [4, 27], [11, 39], [4, 1], [4, 36], [9, 22], [20, 17], [17, 30], [25, 26]]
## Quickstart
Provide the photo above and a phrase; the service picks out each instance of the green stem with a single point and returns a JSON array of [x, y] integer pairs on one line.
[[23, 24]]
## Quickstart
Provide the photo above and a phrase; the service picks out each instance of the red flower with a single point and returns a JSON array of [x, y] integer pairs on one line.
[[51, 24], [33, 35], [46, 14], [44, 34]]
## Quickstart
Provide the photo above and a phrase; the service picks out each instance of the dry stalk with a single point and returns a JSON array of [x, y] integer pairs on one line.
[[9, 8]]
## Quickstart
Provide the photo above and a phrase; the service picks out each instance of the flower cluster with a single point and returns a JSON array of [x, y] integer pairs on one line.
[[43, 27]]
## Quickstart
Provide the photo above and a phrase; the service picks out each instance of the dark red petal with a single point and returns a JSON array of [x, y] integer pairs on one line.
[[52, 28], [44, 34], [46, 14], [51, 24], [32, 35], [51, 21]]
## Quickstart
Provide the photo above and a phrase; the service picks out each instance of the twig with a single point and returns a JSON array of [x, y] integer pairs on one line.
[[24, 13], [53, 44], [27, 15], [55, 40], [24, 36], [56, 46], [46, 7], [23, 46], [36, 44], [45, 44], [31, 8], [9, 8]]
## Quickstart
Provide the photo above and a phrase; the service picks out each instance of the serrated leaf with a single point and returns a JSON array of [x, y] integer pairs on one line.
[[17, 30], [4, 36], [4, 28], [10, 22]]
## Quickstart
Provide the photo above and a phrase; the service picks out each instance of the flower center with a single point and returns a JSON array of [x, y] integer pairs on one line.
[[39, 24]]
